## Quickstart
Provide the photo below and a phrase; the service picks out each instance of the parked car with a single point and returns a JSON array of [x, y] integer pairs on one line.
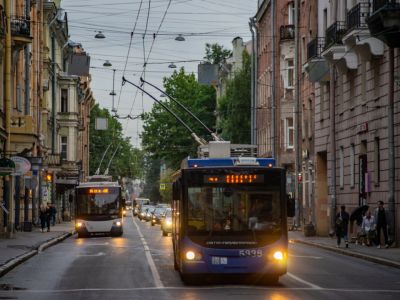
[[166, 222]]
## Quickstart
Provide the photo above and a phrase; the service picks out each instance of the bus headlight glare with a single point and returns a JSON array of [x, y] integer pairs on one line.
[[118, 223], [278, 255], [169, 223], [190, 255], [79, 224]]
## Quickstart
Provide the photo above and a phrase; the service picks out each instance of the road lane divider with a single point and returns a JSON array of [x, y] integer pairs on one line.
[[311, 285], [150, 261]]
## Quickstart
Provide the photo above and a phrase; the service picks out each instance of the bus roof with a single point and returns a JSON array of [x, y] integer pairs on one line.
[[227, 162], [98, 184]]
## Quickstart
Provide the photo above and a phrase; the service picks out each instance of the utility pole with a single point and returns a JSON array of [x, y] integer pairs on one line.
[[273, 91], [252, 26]]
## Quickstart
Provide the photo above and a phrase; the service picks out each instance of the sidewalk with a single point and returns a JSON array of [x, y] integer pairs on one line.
[[389, 257], [24, 245]]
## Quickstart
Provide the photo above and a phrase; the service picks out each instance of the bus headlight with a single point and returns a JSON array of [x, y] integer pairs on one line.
[[79, 225], [278, 256], [118, 223], [168, 222], [191, 255]]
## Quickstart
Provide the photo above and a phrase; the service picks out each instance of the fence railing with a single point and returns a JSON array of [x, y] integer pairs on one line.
[[357, 15], [334, 34], [315, 48], [287, 32], [20, 26]]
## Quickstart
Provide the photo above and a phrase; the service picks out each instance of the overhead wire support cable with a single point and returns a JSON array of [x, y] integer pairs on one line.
[[213, 134], [104, 154], [199, 140], [112, 157]]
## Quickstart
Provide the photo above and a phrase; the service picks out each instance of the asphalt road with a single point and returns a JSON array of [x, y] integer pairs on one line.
[[139, 265]]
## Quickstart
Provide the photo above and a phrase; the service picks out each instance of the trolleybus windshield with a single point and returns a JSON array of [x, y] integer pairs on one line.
[[98, 203]]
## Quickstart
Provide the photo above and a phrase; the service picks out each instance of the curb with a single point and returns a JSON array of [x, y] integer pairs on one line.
[[370, 258], [12, 263]]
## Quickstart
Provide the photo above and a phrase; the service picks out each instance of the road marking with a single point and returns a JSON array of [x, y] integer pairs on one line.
[[96, 254], [313, 286], [305, 256], [154, 272]]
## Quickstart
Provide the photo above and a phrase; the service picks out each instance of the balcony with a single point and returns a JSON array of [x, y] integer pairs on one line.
[[316, 67], [21, 30], [22, 125], [53, 161], [358, 37], [287, 32], [335, 52], [384, 21]]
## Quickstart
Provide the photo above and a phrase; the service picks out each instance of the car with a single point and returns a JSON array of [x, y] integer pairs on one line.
[[149, 213], [166, 222], [142, 212], [157, 214]]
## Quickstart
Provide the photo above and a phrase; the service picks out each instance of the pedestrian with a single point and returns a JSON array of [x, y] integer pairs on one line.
[[368, 228], [341, 226], [48, 216], [53, 212], [42, 217], [381, 221]]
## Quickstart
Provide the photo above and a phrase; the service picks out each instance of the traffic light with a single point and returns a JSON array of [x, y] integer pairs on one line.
[[299, 177]]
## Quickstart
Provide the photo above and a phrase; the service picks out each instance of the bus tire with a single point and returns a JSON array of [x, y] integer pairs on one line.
[[270, 279]]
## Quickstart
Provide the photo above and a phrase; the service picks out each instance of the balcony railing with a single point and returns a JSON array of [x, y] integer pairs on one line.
[[20, 26], [357, 15], [287, 32], [334, 34], [378, 4], [315, 48]]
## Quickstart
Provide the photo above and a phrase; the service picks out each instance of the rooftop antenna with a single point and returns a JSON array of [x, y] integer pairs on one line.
[[213, 134], [199, 140]]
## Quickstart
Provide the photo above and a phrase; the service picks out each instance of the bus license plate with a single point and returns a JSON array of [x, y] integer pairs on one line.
[[218, 260], [251, 253]]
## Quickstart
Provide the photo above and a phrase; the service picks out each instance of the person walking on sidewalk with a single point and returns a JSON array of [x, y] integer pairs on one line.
[[43, 217], [53, 213], [382, 220], [341, 226], [48, 216], [368, 229]]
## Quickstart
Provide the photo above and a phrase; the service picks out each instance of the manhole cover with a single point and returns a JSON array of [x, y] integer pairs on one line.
[[10, 287]]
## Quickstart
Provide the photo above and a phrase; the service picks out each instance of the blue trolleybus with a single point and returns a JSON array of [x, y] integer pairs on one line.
[[229, 218]]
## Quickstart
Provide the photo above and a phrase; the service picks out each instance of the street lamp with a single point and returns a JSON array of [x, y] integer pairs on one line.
[[99, 35], [180, 38], [172, 66]]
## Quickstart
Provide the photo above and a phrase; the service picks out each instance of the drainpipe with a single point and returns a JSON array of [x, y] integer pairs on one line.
[[27, 64], [392, 167], [8, 184], [273, 92], [53, 93], [253, 79]]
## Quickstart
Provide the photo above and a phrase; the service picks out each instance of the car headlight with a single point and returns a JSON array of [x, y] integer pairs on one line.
[[192, 255]]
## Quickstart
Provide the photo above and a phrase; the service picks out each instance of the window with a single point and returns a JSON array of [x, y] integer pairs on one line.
[[64, 147], [352, 165], [290, 73], [19, 98], [341, 167], [291, 13], [325, 20], [289, 133], [64, 100], [377, 158]]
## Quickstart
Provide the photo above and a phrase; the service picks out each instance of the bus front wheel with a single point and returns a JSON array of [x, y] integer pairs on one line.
[[270, 279]]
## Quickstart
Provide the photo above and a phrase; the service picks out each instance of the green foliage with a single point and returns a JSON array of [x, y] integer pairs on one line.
[[151, 188], [166, 178], [234, 108], [216, 53], [163, 136], [127, 162]]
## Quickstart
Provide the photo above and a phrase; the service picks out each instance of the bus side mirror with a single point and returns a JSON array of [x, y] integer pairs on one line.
[[290, 206]]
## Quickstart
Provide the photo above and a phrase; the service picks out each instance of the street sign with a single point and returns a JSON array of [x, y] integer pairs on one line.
[[4, 208], [101, 124], [162, 186]]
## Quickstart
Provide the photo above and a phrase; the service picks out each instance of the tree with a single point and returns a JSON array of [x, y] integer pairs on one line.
[[234, 107], [151, 188], [166, 180], [216, 53], [127, 162], [163, 136]]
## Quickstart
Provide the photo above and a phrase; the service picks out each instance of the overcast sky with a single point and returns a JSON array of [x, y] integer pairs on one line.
[[199, 21]]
